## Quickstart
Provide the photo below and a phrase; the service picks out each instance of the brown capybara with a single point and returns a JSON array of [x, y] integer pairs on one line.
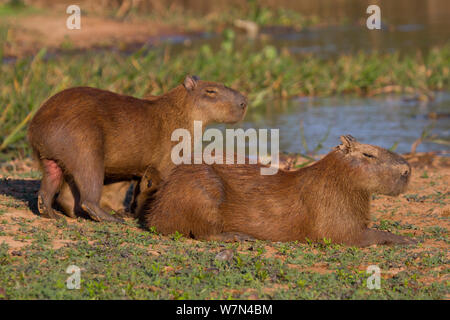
[[113, 198], [85, 135], [327, 200], [114, 194]]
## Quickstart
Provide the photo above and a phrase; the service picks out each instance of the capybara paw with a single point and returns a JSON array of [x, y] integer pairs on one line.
[[399, 240], [45, 211], [242, 237], [232, 237], [99, 215], [407, 241], [123, 213], [91, 213], [69, 214], [116, 218]]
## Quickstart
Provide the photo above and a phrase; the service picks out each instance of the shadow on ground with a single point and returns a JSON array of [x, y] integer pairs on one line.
[[23, 190]]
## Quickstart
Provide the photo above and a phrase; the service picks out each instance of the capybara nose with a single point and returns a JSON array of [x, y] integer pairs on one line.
[[243, 103], [406, 172]]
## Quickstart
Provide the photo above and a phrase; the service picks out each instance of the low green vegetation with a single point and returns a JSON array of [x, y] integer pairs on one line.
[[263, 74], [214, 19], [12, 9], [129, 262], [125, 262]]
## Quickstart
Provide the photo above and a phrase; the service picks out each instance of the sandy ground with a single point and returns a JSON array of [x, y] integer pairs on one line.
[[424, 204], [423, 207], [28, 34]]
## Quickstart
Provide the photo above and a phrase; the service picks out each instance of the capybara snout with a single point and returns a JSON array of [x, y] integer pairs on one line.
[[378, 170], [216, 101]]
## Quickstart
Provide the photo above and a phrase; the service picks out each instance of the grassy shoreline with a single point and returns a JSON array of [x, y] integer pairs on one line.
[[264, 75], [129, 262]]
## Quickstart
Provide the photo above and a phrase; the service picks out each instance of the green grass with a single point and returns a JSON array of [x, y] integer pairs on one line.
[[217, 19], [128, 263], [16, 8], [263, 74], [262, 16]]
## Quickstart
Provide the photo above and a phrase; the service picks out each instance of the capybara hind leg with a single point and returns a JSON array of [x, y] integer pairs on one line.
[[371, 236], [90, 184], [230, 237], [65, 200], [50, 184]]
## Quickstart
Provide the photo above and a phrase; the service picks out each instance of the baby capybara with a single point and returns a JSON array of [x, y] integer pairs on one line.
[[327, 200], [113, 198], [85, 135]]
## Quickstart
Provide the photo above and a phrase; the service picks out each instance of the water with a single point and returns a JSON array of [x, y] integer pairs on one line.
[[332, 41], [385, 121], [408, 26]]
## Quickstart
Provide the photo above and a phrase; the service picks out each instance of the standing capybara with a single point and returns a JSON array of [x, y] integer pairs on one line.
[[327, 200], [114, 194], [86, 135]]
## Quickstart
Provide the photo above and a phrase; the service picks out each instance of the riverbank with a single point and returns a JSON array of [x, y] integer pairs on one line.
[[127, 262], [24, 30], [266, 74]]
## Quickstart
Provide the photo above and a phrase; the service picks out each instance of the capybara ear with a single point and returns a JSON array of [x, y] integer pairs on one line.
[[348, 142], [190, 82]]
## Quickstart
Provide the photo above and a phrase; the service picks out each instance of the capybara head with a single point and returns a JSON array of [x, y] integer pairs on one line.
[[373, 168], [214, 102]]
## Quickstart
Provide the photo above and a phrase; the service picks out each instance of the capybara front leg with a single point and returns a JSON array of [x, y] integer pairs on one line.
[[144, 191], [230, 237], [371, 236], [51, 181], [89, 181], [90, 199]]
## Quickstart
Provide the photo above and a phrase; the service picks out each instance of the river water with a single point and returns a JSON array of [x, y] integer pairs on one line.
[[387, 121]]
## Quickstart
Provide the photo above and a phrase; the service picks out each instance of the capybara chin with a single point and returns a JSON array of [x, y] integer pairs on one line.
[[327, 200], [86, 135]]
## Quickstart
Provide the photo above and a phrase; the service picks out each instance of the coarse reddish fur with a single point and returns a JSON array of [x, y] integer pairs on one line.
[[327, 200], [93, 135]]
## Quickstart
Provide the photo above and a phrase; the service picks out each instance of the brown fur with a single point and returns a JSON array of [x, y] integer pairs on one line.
[[113, 194], [329, 199], [85, 135], [112, 198]]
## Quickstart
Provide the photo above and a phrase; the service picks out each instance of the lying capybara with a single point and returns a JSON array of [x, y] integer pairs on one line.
[[85, 135], [327, 200]]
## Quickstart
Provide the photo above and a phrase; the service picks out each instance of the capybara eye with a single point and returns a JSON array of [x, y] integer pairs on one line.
[[211, 91], [368, 155]]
